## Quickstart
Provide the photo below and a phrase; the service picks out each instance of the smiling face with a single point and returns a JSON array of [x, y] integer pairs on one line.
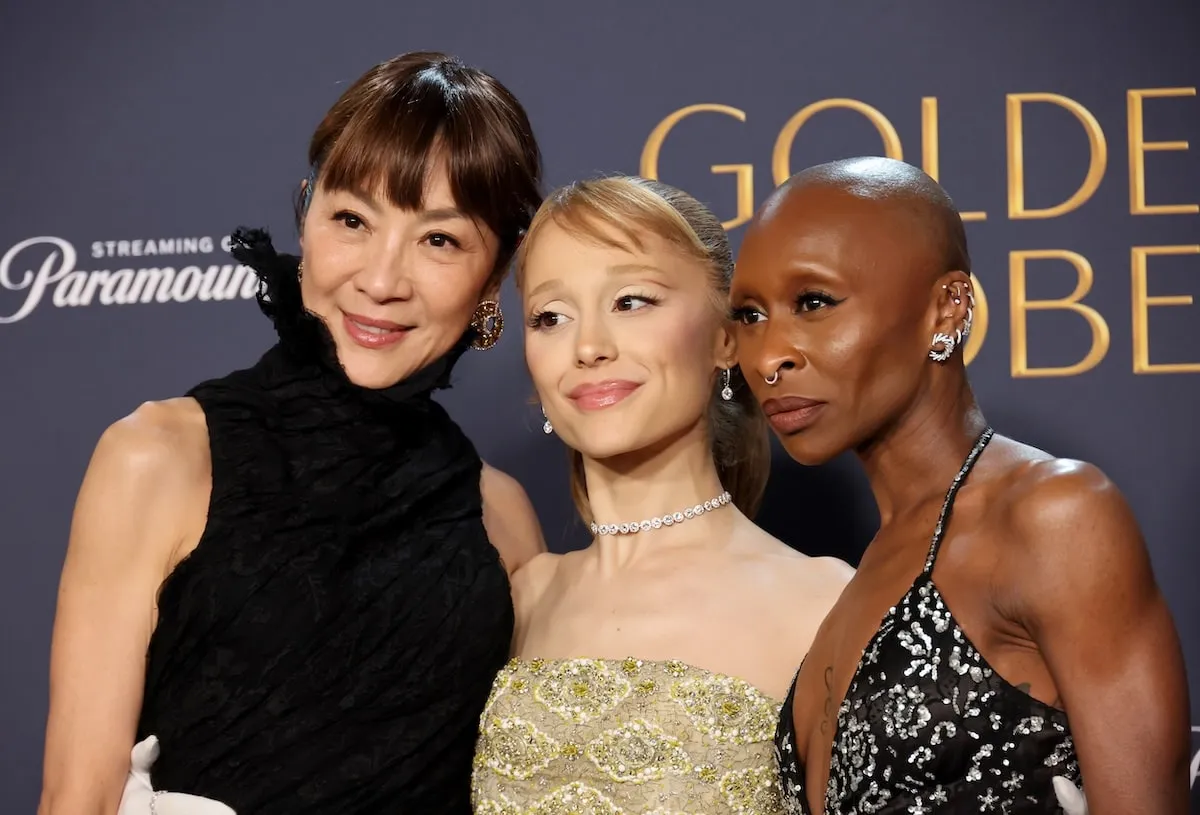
[[396, 287], [426, 176], [835, 294], [623, 342]]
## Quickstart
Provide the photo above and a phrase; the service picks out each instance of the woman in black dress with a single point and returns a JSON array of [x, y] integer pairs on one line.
[[1003, 638], [286, 585]]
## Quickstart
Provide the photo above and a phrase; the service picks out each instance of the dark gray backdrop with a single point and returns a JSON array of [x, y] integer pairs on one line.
[[143, 122]]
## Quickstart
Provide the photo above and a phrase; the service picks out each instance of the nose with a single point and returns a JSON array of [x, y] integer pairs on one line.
[[385, 275], [769, 354], [593, 342]]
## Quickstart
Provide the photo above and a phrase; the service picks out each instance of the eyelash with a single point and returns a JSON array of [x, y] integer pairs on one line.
[[536, 319], [823, 299], [449, 239], [346, 218], [820, 298]]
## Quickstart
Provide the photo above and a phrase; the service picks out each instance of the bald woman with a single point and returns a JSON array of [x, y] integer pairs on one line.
[[1004, 627]]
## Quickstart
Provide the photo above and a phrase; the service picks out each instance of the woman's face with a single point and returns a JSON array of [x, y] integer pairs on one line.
[[623, 346], [396, 287], [834, 317]]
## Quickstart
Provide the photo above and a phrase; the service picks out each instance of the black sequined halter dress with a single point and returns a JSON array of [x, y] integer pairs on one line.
[[927, 726]]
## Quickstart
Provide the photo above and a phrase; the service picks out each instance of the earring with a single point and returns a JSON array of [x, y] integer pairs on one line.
[[300, 270], [488, 324], [964, 332], [547, 428], [947, 342], [727, 391]]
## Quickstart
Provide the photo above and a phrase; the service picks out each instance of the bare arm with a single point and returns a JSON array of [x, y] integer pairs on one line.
[[1091, 603], [129, 521], [510, 520]]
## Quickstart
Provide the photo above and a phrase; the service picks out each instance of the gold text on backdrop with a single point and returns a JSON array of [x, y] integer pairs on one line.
[[1018, 209]]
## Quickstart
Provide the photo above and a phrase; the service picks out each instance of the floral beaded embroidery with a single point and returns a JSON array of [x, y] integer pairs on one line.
[[617, 737]]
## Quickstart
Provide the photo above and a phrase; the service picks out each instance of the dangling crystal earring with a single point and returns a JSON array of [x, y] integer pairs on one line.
[[300, 271], [726, 392], [547, 428]]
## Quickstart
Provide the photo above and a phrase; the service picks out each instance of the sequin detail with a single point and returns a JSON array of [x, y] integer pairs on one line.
[[927, 726], [617, 737]]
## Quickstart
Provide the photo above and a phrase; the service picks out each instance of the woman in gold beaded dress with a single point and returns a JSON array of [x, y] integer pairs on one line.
[[648, 668]]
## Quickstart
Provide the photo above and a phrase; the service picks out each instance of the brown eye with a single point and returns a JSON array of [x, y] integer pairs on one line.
[[439, 240], [349, 220], [814, 301], [747, 315]]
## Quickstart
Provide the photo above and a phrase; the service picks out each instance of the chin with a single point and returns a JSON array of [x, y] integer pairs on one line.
[[373, 374], [371, 379], [599, 448], [607, 441], [810, 450]]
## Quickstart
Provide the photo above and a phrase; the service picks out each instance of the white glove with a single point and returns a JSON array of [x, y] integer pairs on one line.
[[140, 798], [1070, 797]]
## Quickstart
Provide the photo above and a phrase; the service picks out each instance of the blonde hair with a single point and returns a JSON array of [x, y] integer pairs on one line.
[[620, 211]]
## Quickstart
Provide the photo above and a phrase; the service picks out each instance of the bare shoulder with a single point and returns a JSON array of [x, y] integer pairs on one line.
[[1074, 542], [159, 447], [819, 579], [822, 578], [511, 522], [1065, 507], [145, 492]]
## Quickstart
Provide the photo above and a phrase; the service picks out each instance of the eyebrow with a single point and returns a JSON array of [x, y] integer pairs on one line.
[[622, 269], [426, 215], [633, 268], [444, 214], [362, 196]]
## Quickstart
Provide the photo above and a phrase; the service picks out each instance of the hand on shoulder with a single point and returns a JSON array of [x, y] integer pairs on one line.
[[511, 522]]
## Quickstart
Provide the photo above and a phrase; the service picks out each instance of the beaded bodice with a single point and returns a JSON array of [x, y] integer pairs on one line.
[[609, 737], [927, 725]]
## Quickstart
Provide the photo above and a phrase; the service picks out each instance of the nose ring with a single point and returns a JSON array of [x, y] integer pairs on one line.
[[772, 379]]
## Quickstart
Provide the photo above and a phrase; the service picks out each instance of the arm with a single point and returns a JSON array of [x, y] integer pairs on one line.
[[125, 528], [510, 520], [1089, 599]]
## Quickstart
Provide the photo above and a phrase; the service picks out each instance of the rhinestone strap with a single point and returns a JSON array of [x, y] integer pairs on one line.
[[665, 520]]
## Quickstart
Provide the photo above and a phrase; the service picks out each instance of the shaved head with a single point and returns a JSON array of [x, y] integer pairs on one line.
[[847, 278], [901, 189]]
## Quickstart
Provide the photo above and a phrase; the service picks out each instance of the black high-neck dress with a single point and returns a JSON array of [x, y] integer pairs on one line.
[[329, 645]]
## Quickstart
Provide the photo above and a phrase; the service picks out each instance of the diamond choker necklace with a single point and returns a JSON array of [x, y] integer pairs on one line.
[[665, 520]]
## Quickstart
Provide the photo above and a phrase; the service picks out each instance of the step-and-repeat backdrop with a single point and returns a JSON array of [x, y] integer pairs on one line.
[[134, 140]]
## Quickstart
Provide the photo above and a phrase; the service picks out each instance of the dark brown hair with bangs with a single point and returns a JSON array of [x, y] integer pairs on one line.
[[402, 117]]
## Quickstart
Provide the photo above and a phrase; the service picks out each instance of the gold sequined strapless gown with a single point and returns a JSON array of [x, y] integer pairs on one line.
[[619, 737]]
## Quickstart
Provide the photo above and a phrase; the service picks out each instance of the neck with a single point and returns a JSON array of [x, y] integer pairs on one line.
[[668, 478], [919, 454]]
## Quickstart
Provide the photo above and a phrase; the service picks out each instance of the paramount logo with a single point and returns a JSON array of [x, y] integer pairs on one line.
[[44, 267]]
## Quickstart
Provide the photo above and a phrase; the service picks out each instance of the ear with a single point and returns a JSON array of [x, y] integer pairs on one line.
[[491, 289], [953, 305], [303, 210], [726, 346]]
